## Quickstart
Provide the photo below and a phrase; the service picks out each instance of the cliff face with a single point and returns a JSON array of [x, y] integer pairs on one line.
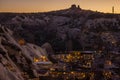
[[17, 58]]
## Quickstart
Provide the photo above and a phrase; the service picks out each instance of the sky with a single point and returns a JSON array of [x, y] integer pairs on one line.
[[50, 5]]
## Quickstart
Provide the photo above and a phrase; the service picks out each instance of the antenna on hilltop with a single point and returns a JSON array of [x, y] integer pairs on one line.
[[113, 9]]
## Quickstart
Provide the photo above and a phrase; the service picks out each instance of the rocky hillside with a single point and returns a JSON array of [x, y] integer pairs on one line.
[[17, 57], [68, 29]]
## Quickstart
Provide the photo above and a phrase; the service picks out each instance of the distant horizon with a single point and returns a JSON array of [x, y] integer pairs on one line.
[[39, 6], [56, 10]]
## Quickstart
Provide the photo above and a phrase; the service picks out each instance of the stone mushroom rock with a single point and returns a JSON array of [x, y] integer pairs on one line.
[[48, 48]]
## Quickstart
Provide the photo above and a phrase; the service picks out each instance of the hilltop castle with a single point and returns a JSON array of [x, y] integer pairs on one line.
[[75, 7]]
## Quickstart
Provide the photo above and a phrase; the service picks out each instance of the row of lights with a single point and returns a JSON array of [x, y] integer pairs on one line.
[[41, 59]]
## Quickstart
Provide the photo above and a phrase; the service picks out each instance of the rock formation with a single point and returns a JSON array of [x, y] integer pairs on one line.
[[16, 60]]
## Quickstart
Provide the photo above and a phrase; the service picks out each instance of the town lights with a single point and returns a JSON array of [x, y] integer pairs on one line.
[[36, 59], [40, 59], [107, 74], [72, 72], [64, 72], [69, 57], [44, 58], [81, 75], [108, 62], [21, 42], [52, 69]]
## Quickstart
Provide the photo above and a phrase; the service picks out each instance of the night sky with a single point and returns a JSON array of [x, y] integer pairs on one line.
[[48, 5]]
